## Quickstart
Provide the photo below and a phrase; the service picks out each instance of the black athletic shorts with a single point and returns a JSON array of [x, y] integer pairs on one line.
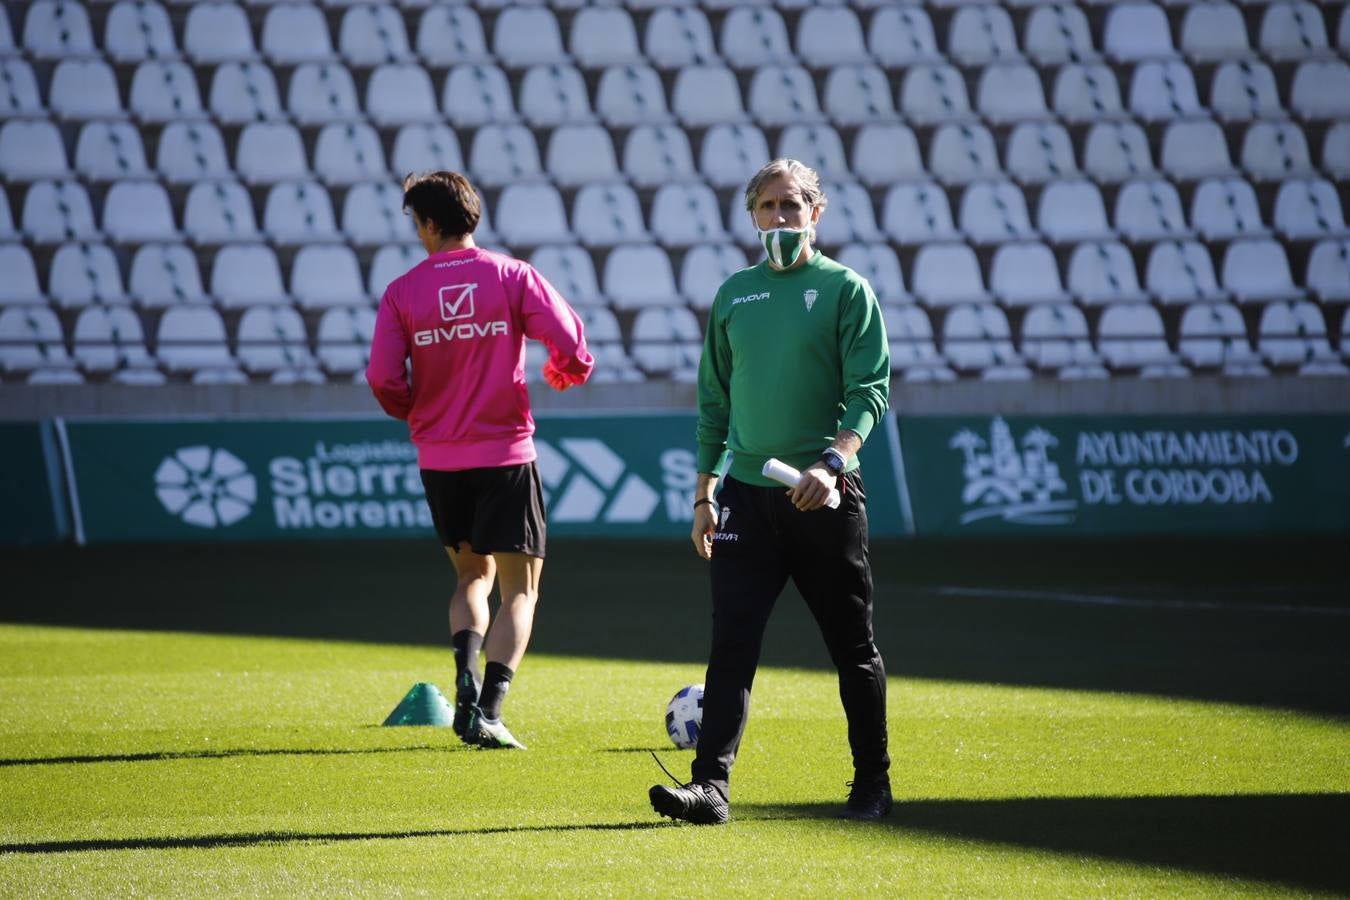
[[497, 510]]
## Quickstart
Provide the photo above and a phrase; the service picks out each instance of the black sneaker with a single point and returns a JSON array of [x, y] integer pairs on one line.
[[868, 800], [698, 802], [466, 695]]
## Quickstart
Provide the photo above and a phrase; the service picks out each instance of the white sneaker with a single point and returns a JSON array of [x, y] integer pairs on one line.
[[489, 734]]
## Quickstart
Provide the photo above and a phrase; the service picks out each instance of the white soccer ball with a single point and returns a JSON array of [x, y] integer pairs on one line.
[[684, 716]]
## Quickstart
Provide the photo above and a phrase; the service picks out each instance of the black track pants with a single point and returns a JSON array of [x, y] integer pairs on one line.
[[762, 540]]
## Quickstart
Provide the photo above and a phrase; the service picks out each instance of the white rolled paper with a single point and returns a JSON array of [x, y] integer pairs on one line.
[[785, 475]]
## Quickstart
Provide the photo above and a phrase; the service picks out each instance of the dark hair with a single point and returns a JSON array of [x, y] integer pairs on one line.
[[446, 198]]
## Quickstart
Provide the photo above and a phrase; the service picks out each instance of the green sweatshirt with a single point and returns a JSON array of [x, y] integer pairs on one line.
[[789, 359]]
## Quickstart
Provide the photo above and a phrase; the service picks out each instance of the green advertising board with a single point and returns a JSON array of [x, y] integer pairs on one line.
[[1135, 475], [31, 496], [604, 476]]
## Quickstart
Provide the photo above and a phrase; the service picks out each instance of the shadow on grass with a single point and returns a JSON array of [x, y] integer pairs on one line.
[[215, 841], [1294, 840], [648, 600], [161, 756]]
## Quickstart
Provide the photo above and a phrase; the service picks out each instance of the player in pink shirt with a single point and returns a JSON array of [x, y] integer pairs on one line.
[[461, 316]]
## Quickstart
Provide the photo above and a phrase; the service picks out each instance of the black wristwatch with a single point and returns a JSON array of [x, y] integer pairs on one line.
[[833, 461]]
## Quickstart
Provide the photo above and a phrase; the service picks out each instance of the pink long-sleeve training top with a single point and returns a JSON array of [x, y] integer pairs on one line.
[[463, 317]]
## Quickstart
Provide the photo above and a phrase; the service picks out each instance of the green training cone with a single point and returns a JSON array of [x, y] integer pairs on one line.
[[423, 705]]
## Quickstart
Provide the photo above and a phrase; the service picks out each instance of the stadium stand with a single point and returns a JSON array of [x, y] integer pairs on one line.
[[1118, 188]]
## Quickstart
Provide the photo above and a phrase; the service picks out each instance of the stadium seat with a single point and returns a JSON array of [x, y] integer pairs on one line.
[[271, 338], [502, 154], [322, 92], [218, 212], [526, 36], [1057, 34], [389, 262], [399, 93], [20, 286], [56, 29], [1321, 90], [580, 154], [1213, 336], [639, 275], [192, 151], [165, 275], [1137, 31], [55, 211], [857, 95], [244, 92], [611, 364], [819, 146], [976, 339], [1055, 339], [678, 37], [421, 147], [830, 35], [1336, 150], [294, 33], [850, 217], [884, 154], [752, 37], [931, 94], [246, 275], [1308, 209], [1025, 274], [7, 229], [1329, 274], [324, 275], [138, 211], [981, 36], [918, 213], [630, 95], [1087, 92], [106, 339], [877, 263], [783, 95], [1102, 272], [269, 152], [1195, 149], [948, 274], [348, 152], [478, 94], [667, 342], [31, 338], [1292, 31], [1038, 152], [960, 153], [1131, 337], [707, 95], [1273, 151], [299, 212], [216, 33], [138, 30], [530, 213], [1150, 210], [1226, 208], [901, 36], [84, 274], [910, 335], [607, 214], [373, 34], [32, 149], [571, 270], [1182, 272], [1071, 211], [656, 154], [1011, 93], [705, 268], [731, 154], [601, 325], [993, 212], [1244, 90], [343, 340], [1214, 31], [1293, 335], [20, 96], [372, 213], [106, 151], [1163, 90], [740, 224], [84, 89], [604, 36], [164, 91], [450, 35], [686, 213], [1257, 271], [552, 95]]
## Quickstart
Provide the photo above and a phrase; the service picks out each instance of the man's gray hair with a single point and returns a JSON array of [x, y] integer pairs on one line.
[[806, 177]]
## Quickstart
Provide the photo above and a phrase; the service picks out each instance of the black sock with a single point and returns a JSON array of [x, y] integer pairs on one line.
[[467, 643], [496, 682]]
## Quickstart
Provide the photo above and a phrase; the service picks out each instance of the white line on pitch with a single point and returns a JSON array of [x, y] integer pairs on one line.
[[1138, 602]]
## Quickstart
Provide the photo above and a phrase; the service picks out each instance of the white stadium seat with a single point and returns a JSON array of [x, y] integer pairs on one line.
[[1214, 31], [216, 33], [106, 339], [1102, 272], [960, 153], [639, 275], [607, 214], [1025, 274], [1055, 338], [55, 29], [244, 92], [31, 338], [910, 335], [399, 93], [138, 211], [604, 36], [525, 36], [976, 338], [296, 33], [271, 338], [1226, 208], [1292, 31], [1212, 336], [884, 154], [1057, 34], [705, 268], [478, 94], [192, 151], [1273, 151], [1321, 90], [298, 212], [687, 214], [754, 36], [580, 154], [982, 35], [1087, 92], [389, 262], [165, 275], [343, 340], [530, 213], [630, 95], [1257, 271], [1293, 335], [31, 149], [322, 92], [55, 211], [934, 93], [20, 286], [1182, 272], [84, 275], [849, 217], [707, 95], [1308, 209], [918, 213], [730, 154], [678, 37], [246, 275], [783, 95], [1148, 210], [84, 89], [901, 36], [1039, 152], [857, 95], [1195, 149], [1072, 210], [504, 153], [877, 263], [1011, 93], [372, 34], [948, 274], [819, 146], [1336, 149], [656, 154], [218, 212], [348, 152], [571, 270], [423, 147], [552, 95], [269, 152], [20, 96], [324, 275], [1162, 90], [138, 30], [1131, 336], [830, 35], [372, 213], [1137, 31], [164, 91], [1329, 274], [451, 34], [110, 150], [1244, 90], [191, 338], [993, 212]]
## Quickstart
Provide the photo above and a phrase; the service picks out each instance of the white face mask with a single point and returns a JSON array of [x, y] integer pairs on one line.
[[783, 245]]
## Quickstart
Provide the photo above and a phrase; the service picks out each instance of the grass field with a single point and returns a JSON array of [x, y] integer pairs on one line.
[[1070, 719]]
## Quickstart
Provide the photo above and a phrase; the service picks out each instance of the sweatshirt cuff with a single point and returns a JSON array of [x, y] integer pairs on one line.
[[710, 457], [859, 421]]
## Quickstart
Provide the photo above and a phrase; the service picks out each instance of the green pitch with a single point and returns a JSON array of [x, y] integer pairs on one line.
[[1044, 745]]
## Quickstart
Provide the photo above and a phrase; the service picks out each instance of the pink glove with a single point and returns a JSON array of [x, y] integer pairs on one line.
[[556, 379]]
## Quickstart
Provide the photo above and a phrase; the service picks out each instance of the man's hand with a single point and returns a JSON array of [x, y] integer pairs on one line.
[[705, 524], [814, 488], [556, 378]]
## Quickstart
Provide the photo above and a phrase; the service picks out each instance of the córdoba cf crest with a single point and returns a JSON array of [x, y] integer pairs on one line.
[[810, 298]]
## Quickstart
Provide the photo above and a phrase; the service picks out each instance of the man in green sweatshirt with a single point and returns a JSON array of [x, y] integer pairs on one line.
[[796, 367]]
